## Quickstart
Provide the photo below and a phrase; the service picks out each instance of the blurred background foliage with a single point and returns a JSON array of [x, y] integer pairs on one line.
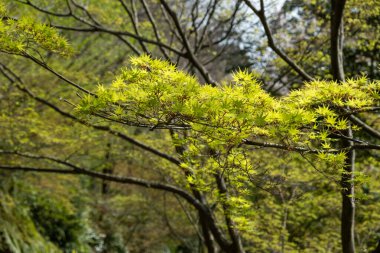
[[296, 207]]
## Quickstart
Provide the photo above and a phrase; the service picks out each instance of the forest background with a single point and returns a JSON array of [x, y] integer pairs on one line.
[[189, 126]]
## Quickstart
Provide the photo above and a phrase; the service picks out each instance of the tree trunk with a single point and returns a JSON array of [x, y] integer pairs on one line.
[[348, 201], [208, 239], [336, 39], [337, 70], [237, 245], [107, 170]]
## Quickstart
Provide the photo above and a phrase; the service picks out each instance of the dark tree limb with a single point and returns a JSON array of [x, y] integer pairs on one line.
[[190, 54], [154, 27], [237, 245], [132, 18], [208, 234], [348, 198], [96, 28], [28, 2], [336, 39], [124, 180], [337, 70], [206, 215], [209, 14], [200, 206], [60, 76], [271, 43], [368, 129], [107, 129]]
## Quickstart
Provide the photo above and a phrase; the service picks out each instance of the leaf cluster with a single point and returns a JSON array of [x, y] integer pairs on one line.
[[27, 36]]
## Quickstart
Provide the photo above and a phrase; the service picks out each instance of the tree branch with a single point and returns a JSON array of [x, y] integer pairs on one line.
[[124, 180], [365, 126], [187, 46], [154, 27], [285, 147], [261, 15], [102, 128], [134, 24], [60, 76], [204, 211], [336, 39]]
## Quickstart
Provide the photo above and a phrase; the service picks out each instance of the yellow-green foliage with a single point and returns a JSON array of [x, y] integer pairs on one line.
[[26, 36], [153, 93], [280, 201]]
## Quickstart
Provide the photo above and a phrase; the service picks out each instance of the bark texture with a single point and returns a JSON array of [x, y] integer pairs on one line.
[[337, 70]]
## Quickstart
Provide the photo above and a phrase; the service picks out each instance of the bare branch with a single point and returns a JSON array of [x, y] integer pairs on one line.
[[336, 39], [102, 128], [232, 230], [28, 2], [187, 46], [60, 76], [154, 27], [122, 33], [366, 146], [365, 126], [205, 28], [124, 180], [261, 15], [134, 24], [98, 28], [88, 14], [285, 147]]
